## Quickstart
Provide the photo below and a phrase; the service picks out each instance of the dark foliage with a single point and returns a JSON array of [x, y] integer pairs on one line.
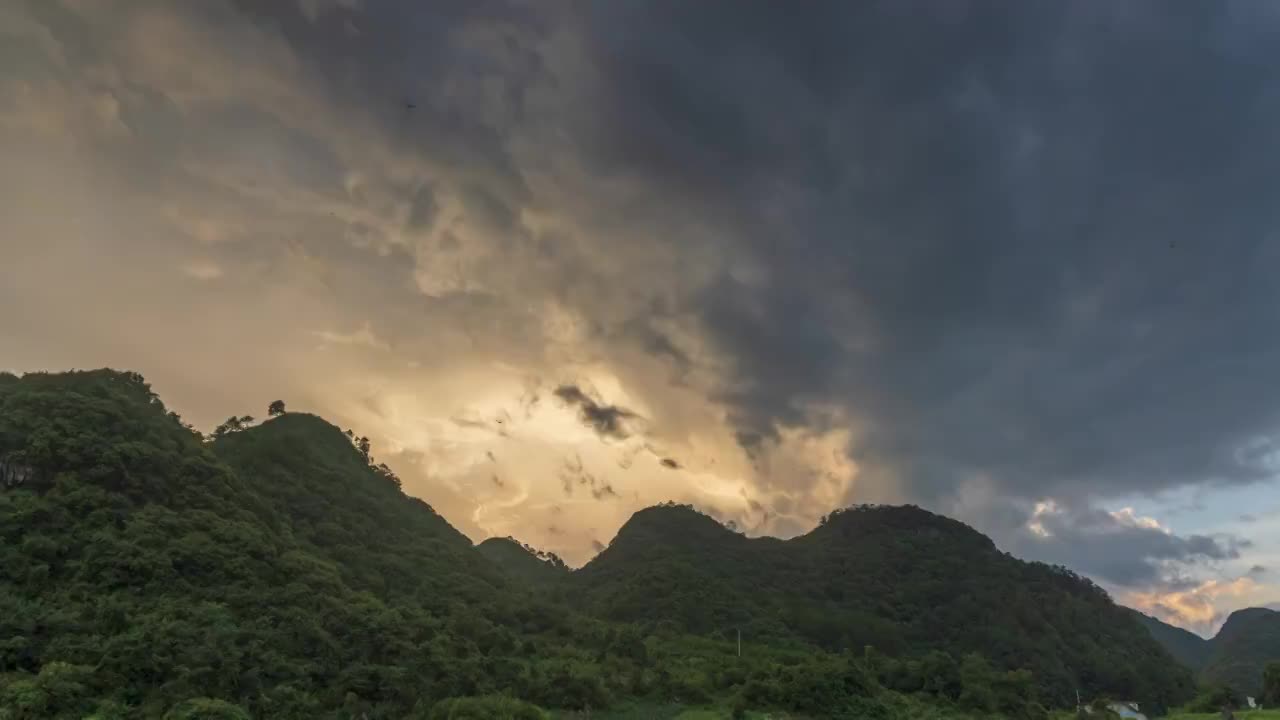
[[1271, 684], [1186, 647], [1236, 657], [898, 579], [522, 562]]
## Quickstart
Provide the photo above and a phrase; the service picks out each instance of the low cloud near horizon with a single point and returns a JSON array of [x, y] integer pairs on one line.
[[559, 261]]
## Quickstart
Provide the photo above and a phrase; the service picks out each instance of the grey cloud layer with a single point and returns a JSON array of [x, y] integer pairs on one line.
[[1123, 552], [1028, 242], [1031, 242]]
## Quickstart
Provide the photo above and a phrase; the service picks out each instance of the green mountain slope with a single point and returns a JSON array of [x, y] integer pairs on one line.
[[1185, 646], [899, 579], [1236, 656], [1246, 643], [274, 570], [149, 572], [380, 540], [521, 562]]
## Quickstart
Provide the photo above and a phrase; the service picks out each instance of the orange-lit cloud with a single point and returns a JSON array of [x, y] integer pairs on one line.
[[1200, 608]]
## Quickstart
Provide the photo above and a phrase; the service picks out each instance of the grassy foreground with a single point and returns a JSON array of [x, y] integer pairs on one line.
[[1240, 715], [899, 707]]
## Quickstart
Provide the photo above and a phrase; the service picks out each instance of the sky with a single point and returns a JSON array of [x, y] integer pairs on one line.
[[1011, 262]]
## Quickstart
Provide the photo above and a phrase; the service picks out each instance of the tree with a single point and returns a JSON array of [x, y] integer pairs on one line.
[[232, 424], [276, 408], [1271, 684], [388, 473]]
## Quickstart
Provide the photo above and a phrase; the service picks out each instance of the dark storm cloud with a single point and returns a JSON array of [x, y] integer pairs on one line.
[[966, 212], [1027, 242], [607, 420]]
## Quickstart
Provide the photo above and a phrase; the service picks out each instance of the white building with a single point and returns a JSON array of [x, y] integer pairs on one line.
[[1127, 710]]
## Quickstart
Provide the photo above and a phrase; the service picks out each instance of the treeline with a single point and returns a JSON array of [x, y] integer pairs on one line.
[[899, 579]]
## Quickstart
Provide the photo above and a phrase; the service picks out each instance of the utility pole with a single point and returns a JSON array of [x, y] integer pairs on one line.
[[739, 643]]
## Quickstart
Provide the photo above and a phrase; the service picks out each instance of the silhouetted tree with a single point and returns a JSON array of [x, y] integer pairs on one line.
[[276, 408], [230, 425]]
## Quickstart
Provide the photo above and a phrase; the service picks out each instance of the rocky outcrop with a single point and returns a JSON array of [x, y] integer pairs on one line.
[[14, 473]]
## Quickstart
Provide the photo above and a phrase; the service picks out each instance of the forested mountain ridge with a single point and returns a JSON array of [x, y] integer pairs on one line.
[[899, 579], [377, 535], [276, 571], [272, 572], [1235, 657], [1185, 646], [1248, 640], [522, 562]]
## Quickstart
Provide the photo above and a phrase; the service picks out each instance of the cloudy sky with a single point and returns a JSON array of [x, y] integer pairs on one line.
[[1013, 262]]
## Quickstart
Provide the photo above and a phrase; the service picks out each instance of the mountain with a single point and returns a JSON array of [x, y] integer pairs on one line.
[[274, 570], [380, 540], [1247, 641], [1235, 657], [521, 562], [899, 579], [1185, 646]]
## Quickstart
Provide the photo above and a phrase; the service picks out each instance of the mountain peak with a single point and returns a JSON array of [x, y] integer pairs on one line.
[[1240, 619], [671, 521], [1247, 641], [904, 521], [302, 434], [1250, 613], [521, 561]]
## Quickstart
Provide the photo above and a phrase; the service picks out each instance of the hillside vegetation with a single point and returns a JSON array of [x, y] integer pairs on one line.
[[1185, 646], [274, 570], [899, 579], [1235, 657], [523, 563], [1248, 640]]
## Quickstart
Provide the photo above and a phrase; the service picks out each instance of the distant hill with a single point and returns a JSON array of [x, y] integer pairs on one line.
[[1185, 646], [1247, 641], [1235, 656], [521, 562], [899, 579]]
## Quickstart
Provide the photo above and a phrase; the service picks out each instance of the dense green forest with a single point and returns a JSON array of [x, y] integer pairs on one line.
[[274, 570]]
